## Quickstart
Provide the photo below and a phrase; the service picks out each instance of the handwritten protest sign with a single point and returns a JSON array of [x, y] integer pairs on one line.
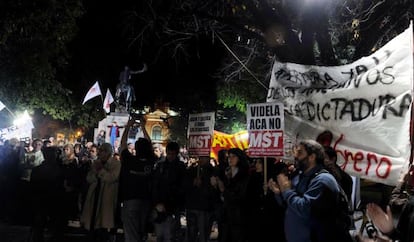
[[366, 105], [265, 127], [200, 133]]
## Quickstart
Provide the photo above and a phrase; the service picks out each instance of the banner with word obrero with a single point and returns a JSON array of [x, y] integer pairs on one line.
[[366, 105]]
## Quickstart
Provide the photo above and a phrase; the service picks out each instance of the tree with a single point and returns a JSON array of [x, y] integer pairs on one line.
[[255, 33], [33, 44]]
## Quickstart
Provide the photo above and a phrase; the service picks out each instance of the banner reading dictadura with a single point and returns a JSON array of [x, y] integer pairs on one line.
[[366, 105]]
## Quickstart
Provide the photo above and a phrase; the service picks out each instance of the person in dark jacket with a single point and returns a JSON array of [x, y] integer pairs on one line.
[[168, 195], [199, 200], [343, 178], [135, 189], [234, 189], [265, 216], [47, 185]]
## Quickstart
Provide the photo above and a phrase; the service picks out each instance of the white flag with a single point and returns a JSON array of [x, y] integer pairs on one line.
[[93, 92], [108, 100], [2, 106]]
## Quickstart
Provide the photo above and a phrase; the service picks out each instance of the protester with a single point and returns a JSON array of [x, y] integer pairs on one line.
[[310, 204], [265, 216], [343, 178], [234, 189], [47, 185], [199, 200], [72, 183], [219, 175], [384, 220], [98, 215], [135, 189], [168, 195]]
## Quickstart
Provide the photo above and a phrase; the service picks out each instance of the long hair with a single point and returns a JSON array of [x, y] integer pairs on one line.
[[243, 163]]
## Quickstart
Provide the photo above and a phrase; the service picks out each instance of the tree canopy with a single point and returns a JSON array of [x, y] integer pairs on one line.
[[254, 33], [33, 44]]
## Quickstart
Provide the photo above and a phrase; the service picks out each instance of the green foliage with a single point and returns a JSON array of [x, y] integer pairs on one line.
[[230, 98], [33, 44], [238, 95]]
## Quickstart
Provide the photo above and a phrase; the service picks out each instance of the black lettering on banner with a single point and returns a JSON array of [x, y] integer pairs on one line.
[[376, 76], [312, 81], [386, 73], [258, 123], [329, 79], [376, 61], [356, 109], [326, 105], [274, 123], [268, 110], [403, 107]]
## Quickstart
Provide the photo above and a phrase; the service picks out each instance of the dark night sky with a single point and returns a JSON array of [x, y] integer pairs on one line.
[[99, 53]]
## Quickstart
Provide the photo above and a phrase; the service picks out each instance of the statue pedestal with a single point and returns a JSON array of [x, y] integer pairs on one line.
[[121, 118]]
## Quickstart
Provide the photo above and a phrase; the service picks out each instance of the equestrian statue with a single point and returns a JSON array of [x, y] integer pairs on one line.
[[125, 93]]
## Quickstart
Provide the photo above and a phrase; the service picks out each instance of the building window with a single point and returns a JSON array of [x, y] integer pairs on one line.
[[156, 133]]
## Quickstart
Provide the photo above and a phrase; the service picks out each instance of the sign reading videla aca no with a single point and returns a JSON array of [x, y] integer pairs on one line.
[[200, 133], [265, 124]]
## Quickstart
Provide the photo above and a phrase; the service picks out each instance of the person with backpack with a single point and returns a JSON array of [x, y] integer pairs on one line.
[[312, 207]]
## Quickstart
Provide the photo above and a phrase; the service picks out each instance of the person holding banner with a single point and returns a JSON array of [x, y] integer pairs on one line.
[[199, 199], [310, 203], [265, 217]]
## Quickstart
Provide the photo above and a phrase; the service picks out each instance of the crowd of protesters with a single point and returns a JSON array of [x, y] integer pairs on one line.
[[144, 190]]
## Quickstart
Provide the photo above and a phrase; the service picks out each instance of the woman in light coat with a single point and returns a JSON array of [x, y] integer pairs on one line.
[[101, 200]]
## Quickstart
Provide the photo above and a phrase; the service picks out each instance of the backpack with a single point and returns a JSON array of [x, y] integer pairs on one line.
[[344, 215]]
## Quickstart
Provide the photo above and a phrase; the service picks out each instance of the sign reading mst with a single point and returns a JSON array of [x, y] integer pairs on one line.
[[265, 124]]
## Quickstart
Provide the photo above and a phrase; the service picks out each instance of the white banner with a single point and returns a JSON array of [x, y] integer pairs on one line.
[[366, 105], [200, 133], [20, 131]]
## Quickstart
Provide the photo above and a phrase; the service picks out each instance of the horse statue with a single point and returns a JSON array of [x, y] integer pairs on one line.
[[125, 93]]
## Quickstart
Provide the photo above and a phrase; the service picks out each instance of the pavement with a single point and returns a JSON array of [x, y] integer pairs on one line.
[[73, 233]]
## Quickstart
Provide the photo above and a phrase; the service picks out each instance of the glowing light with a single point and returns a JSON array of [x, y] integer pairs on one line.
[[22, 119]]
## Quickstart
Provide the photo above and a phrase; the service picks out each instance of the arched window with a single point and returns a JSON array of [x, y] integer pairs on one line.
[[156, 133]]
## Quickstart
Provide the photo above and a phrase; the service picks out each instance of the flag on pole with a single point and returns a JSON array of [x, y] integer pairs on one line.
[[107, 102], [93, 92], [2, 106]]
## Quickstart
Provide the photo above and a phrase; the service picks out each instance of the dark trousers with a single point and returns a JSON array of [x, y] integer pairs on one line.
[[198, 225], [134, 219]]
